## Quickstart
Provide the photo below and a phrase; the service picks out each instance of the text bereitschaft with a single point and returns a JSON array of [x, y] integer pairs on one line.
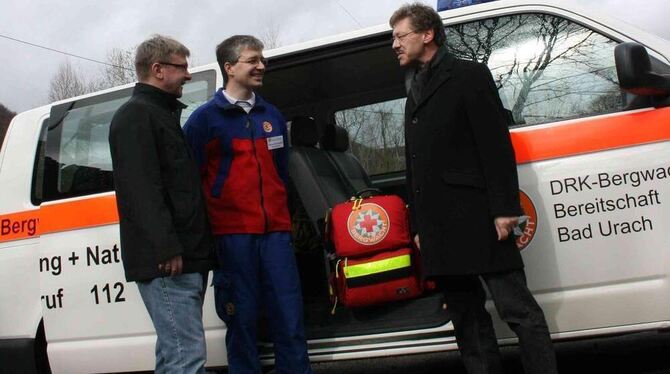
[[603, 205]]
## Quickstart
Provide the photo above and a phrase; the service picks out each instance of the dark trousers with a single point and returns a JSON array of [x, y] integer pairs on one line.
[[258, 271], [465, 298]]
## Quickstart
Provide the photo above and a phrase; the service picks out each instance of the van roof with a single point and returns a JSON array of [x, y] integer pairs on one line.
[[619, 30], [456, 15]]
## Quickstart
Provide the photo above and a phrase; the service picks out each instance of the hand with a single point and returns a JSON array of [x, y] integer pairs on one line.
[[505, 226], [171, 267], [416, 242]]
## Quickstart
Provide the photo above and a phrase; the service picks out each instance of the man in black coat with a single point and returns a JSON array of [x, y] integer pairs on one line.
[[166, 244], [464, 195]]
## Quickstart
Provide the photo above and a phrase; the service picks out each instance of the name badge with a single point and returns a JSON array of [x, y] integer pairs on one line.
[[275, 142]]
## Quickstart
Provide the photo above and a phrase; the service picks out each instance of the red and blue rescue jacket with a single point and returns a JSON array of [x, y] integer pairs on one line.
[[243, 160]]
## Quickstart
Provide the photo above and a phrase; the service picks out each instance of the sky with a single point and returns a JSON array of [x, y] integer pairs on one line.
[[91, 28]]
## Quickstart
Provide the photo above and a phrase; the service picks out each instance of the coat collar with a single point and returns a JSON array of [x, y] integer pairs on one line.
[[158, 96], [440, 72], [223, 103]]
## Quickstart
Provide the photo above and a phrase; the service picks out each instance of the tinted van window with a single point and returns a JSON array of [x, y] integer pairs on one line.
[[75, 159], [546, 68], [376, 135]]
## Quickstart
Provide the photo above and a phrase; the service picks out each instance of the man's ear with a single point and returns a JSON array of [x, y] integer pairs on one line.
[[156, 70], [228, 69], [428, 36]]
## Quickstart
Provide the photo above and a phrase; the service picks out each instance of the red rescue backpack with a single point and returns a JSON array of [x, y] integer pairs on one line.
[[364, 226], [374, 260]]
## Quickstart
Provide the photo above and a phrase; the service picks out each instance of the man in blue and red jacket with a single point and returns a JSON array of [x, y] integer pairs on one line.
[[240, 143]]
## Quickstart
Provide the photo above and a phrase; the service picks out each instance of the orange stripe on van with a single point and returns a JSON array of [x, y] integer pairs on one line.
[[591, 135], [78, 214], [563, 140], [58, 217]]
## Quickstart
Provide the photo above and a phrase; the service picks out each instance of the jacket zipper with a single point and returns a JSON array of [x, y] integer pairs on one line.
[[260, 175]]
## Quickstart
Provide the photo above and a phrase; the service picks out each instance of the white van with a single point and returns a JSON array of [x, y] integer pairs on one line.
[[594, 168]]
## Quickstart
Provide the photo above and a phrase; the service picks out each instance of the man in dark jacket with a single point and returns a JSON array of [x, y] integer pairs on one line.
[[464, 194], [165, 236]]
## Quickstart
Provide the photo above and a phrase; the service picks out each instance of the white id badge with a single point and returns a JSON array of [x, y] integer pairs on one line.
[[275, 142]]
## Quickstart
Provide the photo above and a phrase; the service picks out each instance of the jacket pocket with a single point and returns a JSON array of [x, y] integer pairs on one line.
[[223, 295], [463, 179]]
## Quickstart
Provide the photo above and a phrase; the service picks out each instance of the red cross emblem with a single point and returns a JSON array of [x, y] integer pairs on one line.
[[369, 224]]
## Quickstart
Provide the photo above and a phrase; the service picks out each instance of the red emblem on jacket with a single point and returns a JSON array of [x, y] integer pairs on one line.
[[267, 126], [369, 224]]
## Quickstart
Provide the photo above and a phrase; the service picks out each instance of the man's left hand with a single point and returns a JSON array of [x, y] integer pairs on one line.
[[505, 226], [172, 267]]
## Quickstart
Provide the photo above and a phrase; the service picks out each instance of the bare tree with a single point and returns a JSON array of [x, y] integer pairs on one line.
[[376, 133], [270, 36], [6, 116], [68, 82], [547, 66], [477, 41], [120, 68]]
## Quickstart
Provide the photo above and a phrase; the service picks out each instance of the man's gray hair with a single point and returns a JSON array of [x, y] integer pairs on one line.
[[157, 49], [230, 49], [422, 18]]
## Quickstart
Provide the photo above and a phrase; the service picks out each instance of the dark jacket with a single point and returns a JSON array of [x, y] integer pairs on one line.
[[243, 160], [158, 193], [461, 170]]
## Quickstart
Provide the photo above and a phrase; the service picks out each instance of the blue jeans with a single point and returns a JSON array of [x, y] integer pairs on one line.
[[175, 307]]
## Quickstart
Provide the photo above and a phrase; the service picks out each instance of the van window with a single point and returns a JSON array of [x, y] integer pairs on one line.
[[196, 92], [376, 135], [36, 194], [546, 68], [76, 159]]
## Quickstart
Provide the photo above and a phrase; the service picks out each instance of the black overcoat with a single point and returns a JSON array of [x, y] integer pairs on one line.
[[461, 171]]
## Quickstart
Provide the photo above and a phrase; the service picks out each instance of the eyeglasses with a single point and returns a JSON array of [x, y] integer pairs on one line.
[[400, 37], [178, 66], [255, 61]]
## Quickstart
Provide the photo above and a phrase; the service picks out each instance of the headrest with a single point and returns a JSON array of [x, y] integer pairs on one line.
[[335, 139], [304, 132]]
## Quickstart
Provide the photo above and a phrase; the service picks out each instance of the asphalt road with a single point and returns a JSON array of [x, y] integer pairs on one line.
[[644, 353]]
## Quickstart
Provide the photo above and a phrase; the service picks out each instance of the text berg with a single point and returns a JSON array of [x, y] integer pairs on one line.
[[633, 178], [28, 226]]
